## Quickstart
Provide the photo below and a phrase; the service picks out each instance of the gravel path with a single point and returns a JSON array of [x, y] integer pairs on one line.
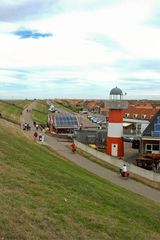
[[63, 150]]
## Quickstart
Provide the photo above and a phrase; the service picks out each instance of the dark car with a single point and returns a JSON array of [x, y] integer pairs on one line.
[[135, 143], [127, 139]]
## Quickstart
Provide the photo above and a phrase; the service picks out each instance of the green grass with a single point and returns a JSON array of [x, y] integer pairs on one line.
[[40, 112], [66, 106], [12, 109], [46, 197], [41, 105], [20, 103]]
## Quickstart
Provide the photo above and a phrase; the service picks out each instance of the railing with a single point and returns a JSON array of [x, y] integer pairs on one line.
[[118, 104]]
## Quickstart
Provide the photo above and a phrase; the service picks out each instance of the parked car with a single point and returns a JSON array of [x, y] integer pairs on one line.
[[135, 143], [127, 139], [92, 119], [84, 111], [102, 121], [89, 116]]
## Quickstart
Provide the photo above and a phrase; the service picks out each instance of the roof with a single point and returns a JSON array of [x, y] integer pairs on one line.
[[139, 113], [116, 91], [65, 120]]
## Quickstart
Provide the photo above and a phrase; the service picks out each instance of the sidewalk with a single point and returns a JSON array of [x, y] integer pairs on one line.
[[64, 151]]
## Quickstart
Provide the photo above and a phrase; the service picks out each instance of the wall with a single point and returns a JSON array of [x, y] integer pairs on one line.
[[149, 175]]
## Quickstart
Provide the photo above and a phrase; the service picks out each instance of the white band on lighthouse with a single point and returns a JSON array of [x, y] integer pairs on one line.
[[115, 130]]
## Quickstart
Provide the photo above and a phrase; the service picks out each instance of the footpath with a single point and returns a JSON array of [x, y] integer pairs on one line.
[[64, 151]]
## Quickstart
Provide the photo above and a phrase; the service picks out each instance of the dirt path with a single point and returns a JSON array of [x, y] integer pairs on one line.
[[60, 148]]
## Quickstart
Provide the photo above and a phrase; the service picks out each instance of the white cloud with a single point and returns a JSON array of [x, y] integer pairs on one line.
[[73, 25]]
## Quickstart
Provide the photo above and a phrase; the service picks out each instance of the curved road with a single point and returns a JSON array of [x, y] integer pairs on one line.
[[63, 150]]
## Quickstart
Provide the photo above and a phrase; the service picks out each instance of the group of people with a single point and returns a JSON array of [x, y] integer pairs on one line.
[[35, 125], [26, 126], [39, 136]]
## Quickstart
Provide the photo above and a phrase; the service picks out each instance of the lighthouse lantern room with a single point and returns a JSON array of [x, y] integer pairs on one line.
[[115, 123]]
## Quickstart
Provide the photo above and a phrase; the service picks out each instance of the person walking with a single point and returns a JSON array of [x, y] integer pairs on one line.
[[42, 140], [35, 135], [40, 137], [73, 146]]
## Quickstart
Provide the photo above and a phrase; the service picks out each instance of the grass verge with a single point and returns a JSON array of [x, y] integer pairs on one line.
[[46, 197]]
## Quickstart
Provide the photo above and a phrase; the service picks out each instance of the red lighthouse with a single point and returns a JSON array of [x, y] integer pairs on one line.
[[115, 123]]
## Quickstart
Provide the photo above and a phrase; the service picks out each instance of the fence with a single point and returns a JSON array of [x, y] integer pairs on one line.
[[143, 173], [91, 136]]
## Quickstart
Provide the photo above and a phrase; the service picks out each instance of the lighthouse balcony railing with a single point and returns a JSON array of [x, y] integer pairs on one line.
[[118, 104]]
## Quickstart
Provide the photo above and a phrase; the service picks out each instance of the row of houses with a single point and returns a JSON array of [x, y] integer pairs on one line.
[[141, 119], [136, 108]]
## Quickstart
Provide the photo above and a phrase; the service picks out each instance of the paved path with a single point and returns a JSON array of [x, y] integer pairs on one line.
[[63, 150]]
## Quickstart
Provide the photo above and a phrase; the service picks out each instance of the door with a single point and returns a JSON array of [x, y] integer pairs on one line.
[[114, 149]]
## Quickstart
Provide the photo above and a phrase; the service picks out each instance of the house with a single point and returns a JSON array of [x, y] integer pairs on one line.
[[63, 123], [140, 117], [150, 139], [141, 113], [93, 105]]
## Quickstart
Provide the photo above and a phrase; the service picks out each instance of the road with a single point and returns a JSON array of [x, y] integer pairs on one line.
[[64, 151]]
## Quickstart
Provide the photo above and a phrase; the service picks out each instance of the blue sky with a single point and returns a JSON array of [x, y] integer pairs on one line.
[[79, 48]]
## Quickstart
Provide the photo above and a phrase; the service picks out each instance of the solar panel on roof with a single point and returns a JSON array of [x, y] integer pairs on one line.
[[66, 120]]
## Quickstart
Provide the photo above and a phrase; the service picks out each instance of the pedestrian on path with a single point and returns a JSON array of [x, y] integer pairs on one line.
[[35, 135], [42, 140], [40, 137], [25, 126], [73, 146]]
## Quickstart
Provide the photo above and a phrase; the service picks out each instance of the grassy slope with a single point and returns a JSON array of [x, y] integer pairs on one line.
[[12, 109], [40, 112], [62, 105], [20, 103], [45, 197]]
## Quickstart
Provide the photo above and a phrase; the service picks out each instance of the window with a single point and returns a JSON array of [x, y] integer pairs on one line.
[[135, 115], [143, 116], [158, 119], [155, 147], [149, 148], [157, 127], [126, 115], [156, 132]]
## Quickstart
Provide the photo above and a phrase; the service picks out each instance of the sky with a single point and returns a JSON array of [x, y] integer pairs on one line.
[[79, 48]]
